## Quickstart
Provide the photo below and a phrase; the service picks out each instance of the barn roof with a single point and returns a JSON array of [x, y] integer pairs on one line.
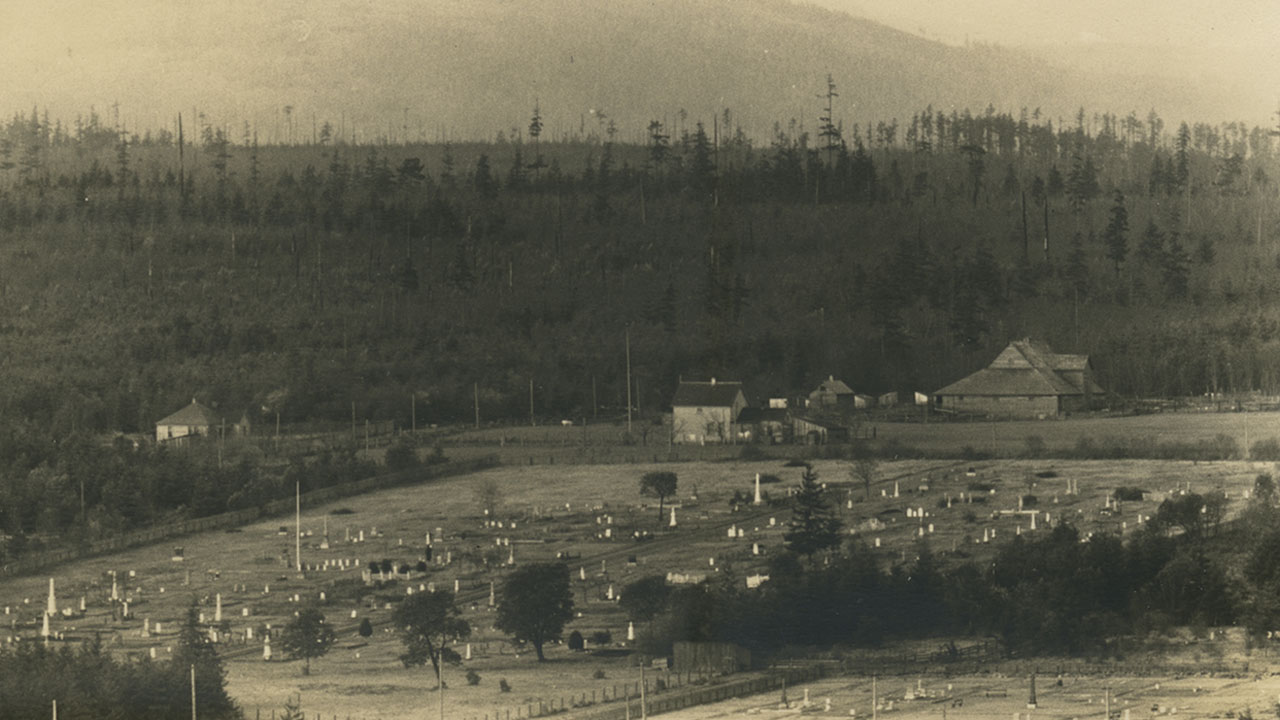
[[706, 394], [1025, 367], [194, 414], [757, 415], [832, 385]]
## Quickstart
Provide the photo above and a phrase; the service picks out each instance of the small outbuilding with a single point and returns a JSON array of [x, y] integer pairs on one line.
[[831, 393], [194, 419]]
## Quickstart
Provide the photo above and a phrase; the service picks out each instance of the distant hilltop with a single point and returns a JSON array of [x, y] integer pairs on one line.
[[469, 69]]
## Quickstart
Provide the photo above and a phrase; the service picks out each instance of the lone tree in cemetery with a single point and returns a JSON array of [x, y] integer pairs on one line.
[[645, 598], [428, 623], [307, 636], [814, 525], [536, 603], [864, 469], [658, 484]]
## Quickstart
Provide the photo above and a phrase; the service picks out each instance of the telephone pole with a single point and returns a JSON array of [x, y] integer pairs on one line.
[[628, 344]]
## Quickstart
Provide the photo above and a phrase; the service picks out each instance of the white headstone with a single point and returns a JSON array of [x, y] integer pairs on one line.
[[631, 631]]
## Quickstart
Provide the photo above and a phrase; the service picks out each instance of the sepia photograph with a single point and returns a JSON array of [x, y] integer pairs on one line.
[[599, 360]]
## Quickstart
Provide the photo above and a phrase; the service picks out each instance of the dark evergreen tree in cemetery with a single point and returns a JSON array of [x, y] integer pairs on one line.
[[814, 525]]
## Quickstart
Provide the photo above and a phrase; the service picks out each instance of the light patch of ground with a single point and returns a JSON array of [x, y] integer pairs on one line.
[[557, 509], [998, 696]]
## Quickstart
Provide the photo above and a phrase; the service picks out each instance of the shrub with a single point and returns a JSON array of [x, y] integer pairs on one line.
[[977, 486], [769, 479], [342, 511], [575, 641], [1268, 449], [422, 566], [1129, 494], [601, 637], [1047, 474], [598, 674], [1029, 500], [751, 452], [796, 462], [437, 455], [503, 685], [1035, 446], [400, 456], [404, 569], [473, 677], [366, 628]]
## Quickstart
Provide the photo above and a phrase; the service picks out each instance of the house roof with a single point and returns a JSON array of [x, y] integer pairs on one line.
[[758, 415], [192, 415], [1026, 367], [706, 394], [832, 385]]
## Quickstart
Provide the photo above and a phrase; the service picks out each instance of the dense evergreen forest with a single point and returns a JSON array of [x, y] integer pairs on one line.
[[139, 271], [332, 279]]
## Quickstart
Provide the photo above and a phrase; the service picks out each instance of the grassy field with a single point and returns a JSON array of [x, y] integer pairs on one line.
[[1002, 438], [1004, 696], [555, 510]]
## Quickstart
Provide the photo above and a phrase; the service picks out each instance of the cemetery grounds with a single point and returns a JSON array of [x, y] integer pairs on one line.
[[590, 516]]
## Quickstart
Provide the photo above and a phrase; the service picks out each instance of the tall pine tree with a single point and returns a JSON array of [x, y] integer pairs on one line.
[[814, 525]]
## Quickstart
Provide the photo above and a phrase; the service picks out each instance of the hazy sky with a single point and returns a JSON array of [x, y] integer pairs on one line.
[[1253, 23]]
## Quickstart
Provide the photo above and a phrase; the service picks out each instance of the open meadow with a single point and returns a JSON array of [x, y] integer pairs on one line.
[[590, 516], [603, 442]]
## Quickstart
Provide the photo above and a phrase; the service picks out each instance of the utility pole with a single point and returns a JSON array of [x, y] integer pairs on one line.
[[193, 692], [644, 713], [297, 522], [628, 344], [475, 394], [413, 402], [875, 712], [531, 422]]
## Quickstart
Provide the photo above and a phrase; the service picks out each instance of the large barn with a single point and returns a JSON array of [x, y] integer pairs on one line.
[[1026, 380], [706, 412]]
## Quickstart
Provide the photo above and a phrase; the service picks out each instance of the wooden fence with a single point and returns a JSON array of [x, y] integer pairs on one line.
[[37, 562], [666, 693]]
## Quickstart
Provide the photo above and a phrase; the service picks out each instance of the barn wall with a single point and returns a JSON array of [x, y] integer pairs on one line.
[[1004, 405]]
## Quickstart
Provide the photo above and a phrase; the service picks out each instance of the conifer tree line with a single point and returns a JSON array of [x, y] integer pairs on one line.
[[1057, 591], [88, 681], [898, 255]]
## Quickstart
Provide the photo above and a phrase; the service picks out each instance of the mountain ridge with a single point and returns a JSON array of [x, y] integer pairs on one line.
[[403, 69]]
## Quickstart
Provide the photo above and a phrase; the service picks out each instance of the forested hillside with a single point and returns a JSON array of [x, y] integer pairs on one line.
[[302, 278]]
